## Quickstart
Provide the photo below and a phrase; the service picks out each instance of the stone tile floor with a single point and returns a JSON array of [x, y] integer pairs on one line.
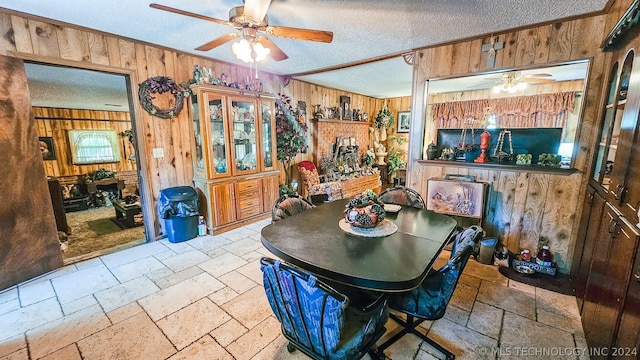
[[203, 299]]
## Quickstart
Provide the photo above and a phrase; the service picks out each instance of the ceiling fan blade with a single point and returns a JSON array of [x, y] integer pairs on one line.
[[542, 75], [217, 42], [256, 9], [538, 80], [187, 13], [300, 34], [275, 52]]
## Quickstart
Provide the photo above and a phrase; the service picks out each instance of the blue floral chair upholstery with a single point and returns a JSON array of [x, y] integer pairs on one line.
[[318, 320], [429, 301], [402, 195], [288, 205]]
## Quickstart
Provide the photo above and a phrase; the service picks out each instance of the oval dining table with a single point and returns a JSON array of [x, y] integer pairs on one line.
[[314, 241]]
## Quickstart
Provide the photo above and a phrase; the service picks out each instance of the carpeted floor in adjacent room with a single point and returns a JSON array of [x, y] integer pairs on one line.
[[94, 230]]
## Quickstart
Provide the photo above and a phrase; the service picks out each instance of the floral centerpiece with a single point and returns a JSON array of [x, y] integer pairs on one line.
[[364, 210]]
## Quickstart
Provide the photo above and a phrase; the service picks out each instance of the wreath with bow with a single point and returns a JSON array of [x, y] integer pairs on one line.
[[161, 85]]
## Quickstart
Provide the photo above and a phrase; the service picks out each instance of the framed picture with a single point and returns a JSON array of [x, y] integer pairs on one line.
[[345, 107], [459, 198], [46, 148], [404, 119]]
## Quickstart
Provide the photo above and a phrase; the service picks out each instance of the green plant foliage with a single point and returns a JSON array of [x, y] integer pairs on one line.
[[394, 159], [384, 119], [101, 174], [291, 135]]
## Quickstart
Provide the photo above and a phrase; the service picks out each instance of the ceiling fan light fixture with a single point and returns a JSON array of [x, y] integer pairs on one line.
[[250, 50], [260, 51], [242, 50], [511, 83]]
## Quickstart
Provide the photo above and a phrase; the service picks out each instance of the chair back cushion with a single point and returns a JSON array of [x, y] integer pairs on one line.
[[402, 195], [316, 317], [429, 300], [309, 174], [288, 205]]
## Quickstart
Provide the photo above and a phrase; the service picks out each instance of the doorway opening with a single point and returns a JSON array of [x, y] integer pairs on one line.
[[85, 126]]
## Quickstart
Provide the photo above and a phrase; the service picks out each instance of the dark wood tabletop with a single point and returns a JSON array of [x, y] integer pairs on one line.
[[313, 241]]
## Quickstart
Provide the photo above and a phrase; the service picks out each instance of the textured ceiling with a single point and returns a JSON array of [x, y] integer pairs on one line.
[[363, 29]]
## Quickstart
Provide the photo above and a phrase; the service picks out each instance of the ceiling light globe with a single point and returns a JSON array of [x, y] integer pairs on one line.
[[242, 50], [261, 51]]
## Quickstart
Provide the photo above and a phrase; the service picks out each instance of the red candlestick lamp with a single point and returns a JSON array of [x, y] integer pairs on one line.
[[484, 145]]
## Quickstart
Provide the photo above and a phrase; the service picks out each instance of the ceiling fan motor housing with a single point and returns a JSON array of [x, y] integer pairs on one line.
[[237, 17]]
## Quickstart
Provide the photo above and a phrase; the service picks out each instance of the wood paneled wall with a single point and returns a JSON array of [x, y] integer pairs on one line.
[[57, 122], [524, 207], [37, 39]]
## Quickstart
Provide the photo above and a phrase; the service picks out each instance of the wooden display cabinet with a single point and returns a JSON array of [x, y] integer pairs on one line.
[[606, 284], [233, 145]]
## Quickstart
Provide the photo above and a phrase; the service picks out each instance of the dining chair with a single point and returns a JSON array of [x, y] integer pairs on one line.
[[318, 319], [429, 300], [318, 184], [288, 205], [402, 195]]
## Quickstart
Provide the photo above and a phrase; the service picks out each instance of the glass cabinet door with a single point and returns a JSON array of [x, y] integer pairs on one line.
[[198, 138], [218, 136], [268, 135], [245, 151], [610, 131]]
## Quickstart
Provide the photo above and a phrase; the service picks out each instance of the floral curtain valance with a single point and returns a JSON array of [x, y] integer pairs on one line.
[[544, 110]]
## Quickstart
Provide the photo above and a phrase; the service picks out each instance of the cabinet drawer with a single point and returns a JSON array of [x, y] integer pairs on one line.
[[248, 187], [249, 206]]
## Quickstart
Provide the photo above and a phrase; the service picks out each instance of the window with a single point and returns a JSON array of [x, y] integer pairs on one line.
[[94, 146]]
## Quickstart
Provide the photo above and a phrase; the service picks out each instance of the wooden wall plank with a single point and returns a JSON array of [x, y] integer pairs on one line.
[[559, 216], [460, 57], [441, 62], [7, 35], [516, 218], [73, 44], [44, 38], [113, 51], [509, 52], [526, 47], [560, 41], [98, 53], [505, 190], [21, 34], [534, 211], [542, 44]]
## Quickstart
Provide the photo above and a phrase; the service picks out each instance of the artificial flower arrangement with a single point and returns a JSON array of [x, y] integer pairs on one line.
[[384, 119]]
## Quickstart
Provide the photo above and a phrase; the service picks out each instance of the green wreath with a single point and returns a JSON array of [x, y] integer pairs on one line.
[[160, 85]]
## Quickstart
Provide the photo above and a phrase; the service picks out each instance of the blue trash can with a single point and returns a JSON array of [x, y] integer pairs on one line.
[[178, 206]]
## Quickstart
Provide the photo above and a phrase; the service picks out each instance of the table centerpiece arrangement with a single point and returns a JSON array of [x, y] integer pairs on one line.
[[364, 210]]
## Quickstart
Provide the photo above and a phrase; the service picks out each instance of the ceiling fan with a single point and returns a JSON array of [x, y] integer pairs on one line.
[[253, 24], [514, 81]]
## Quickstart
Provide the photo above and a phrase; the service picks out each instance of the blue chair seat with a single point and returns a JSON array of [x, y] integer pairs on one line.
[[319, 320], [429, 300]]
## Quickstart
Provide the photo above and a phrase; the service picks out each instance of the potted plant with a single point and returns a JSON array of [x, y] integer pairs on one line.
[[394, 159], [291, 135]]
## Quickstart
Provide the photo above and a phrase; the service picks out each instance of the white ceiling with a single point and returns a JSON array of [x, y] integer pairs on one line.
[[363, 30]]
